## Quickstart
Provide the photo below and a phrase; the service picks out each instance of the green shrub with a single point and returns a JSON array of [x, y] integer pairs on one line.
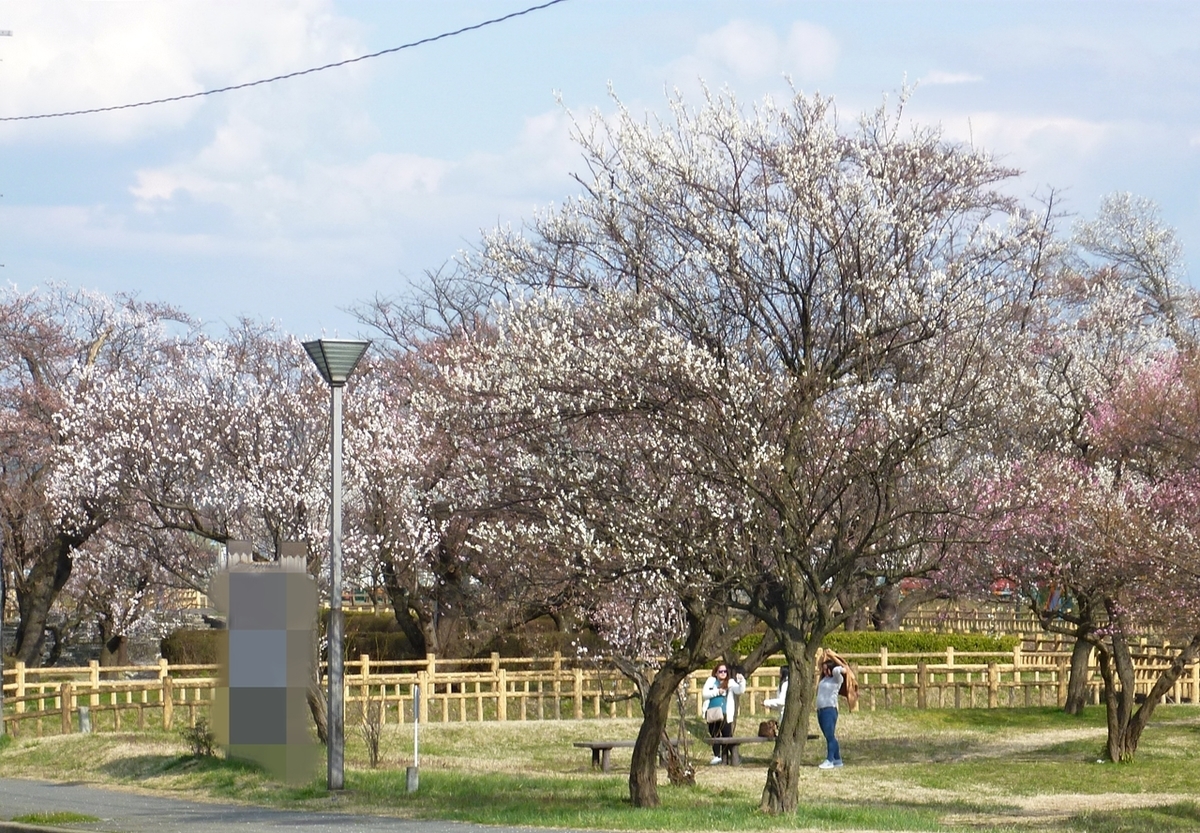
[[748, 643], [905, 642], [199, 738], [377, 635], [187, 647]]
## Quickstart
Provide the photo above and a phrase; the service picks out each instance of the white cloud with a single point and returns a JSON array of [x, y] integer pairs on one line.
[[754, 52], [254, 175], [76, 55], [937, 77], [746, 49], [1028, 134], [812, 51]]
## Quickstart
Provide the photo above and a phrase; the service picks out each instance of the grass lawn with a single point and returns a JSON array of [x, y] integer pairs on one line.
[[979, 770]]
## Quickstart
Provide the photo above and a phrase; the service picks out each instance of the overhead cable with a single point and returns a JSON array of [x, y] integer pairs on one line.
[[285, 77]]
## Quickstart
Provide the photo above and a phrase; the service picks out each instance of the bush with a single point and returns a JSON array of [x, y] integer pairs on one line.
[[869, 642], [199, 738], [186, 647], [378, 635], [903, 642]]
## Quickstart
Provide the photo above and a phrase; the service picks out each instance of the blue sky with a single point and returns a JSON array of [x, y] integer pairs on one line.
[[292, 201]]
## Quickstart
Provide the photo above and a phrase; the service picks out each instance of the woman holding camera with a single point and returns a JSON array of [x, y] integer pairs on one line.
[[833, 672], [720, 707]]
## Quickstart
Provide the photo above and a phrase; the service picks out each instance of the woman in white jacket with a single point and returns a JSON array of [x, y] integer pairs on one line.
[[720, 707], [780, 698]]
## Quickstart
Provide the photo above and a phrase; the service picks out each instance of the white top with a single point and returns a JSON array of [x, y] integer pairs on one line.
[[779, 699], [828, 688], [712, 688]]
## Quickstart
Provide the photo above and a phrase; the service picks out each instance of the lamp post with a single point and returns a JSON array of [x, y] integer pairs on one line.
[[336, 358]]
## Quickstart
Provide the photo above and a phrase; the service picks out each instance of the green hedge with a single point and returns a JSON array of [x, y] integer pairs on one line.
[[186, 647], [904, 642], [869, 642], [378, 635]]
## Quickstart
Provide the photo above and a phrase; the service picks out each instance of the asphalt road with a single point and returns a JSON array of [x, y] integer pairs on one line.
[[127, 812]]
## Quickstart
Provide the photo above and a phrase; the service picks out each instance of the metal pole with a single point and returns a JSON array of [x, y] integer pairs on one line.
[[336, 717]]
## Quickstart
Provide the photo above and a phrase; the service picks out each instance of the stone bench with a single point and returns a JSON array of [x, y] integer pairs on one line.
[[601, 748], [734, 744]]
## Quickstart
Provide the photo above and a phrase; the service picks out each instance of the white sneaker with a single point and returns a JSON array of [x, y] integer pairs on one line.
[[826, 765], [837, 763], [716, 761]]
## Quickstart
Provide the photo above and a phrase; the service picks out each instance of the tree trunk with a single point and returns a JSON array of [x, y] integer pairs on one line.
[[114, 647], [36, 593], [1077, 684], [1125, 725], [656, 706], [402, 607], [781, 793], [317, 707], [705, 620], [886, 614]]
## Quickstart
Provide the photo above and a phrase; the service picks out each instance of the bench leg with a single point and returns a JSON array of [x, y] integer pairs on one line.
[[595, 758], [735, 757], [604, 759]]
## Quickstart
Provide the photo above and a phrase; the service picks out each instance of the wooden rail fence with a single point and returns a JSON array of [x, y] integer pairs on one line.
[[552, 688]]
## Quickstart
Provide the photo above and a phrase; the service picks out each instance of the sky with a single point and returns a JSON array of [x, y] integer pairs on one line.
[[295, 201]]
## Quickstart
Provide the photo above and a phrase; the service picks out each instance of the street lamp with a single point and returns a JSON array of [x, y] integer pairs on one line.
[[336, 358]]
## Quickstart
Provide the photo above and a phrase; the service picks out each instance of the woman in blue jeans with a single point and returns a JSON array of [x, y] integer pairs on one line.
[[827, 710]]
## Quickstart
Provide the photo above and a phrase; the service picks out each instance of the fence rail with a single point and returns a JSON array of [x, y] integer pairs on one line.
[[553, 688]]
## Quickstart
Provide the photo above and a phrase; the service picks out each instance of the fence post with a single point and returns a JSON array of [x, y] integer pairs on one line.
[[1064, 676], [883, 656], [94, 681], [168, 701], [1017, 659], [993, 685], [20, 692], [423, 680], [579, 691], [365, 691], [502, 694], [922, 684], [65, 707]]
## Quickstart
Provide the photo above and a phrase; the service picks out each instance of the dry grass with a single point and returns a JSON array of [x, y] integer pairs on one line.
[[1021, 769]]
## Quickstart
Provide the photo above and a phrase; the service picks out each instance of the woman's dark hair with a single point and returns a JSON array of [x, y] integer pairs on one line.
[[783, 674], [829, 665]]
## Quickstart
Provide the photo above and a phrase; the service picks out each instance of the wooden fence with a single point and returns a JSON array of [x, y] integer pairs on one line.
[[552, 688]]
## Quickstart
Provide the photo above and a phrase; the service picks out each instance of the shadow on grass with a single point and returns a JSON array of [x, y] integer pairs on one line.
[[603, 803], [917, 750], [1181, 816], [1032, 718]]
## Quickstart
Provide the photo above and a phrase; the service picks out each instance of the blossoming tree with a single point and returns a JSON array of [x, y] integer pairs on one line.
[[850, 301]]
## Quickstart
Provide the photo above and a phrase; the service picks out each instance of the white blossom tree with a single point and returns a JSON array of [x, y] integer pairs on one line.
[[55, 346], [852, 303]]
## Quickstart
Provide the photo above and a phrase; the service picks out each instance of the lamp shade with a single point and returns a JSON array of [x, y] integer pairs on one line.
[[336, 358]]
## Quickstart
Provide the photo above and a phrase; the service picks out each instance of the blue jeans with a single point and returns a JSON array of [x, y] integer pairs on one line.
[[827, 720]]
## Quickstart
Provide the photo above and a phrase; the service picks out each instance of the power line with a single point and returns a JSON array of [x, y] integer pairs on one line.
[[273, 79]]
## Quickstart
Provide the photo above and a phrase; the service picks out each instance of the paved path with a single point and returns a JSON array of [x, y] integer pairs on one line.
[[126, 812]]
